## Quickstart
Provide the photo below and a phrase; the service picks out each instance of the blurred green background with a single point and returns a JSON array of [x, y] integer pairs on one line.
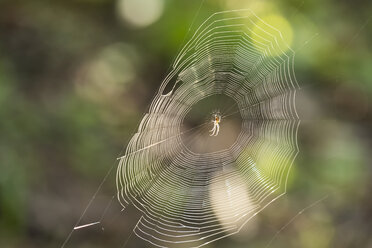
[[76, 76]]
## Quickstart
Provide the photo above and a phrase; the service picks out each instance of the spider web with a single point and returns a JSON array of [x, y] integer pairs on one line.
[[187, 197]]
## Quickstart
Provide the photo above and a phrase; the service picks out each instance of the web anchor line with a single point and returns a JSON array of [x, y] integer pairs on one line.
[[86, 225], [293, 218]]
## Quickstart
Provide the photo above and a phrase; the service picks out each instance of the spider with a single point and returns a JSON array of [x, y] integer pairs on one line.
[[216, 125]]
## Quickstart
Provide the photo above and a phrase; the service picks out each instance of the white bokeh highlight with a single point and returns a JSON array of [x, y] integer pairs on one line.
[[140, 13]]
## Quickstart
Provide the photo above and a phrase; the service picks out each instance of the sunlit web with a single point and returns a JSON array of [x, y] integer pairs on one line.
[[193, 188]]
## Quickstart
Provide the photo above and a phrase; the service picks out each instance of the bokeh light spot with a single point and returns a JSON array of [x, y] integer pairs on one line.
[[108, 73], [263, 39], [260, 7], [230, 199], [140, 13]]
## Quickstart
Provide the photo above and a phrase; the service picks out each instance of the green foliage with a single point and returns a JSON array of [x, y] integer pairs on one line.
[[62, 125]]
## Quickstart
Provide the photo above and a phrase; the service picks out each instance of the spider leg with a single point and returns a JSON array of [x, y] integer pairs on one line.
[[213, 130], [217, 129]]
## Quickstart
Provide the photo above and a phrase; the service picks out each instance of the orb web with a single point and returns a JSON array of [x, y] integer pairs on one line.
[[191, 188]]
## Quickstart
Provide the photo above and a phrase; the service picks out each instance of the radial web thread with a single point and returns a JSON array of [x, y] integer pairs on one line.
[[187, 198]]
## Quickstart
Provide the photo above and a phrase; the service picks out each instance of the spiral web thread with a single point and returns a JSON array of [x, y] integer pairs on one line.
[[189, 199]]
